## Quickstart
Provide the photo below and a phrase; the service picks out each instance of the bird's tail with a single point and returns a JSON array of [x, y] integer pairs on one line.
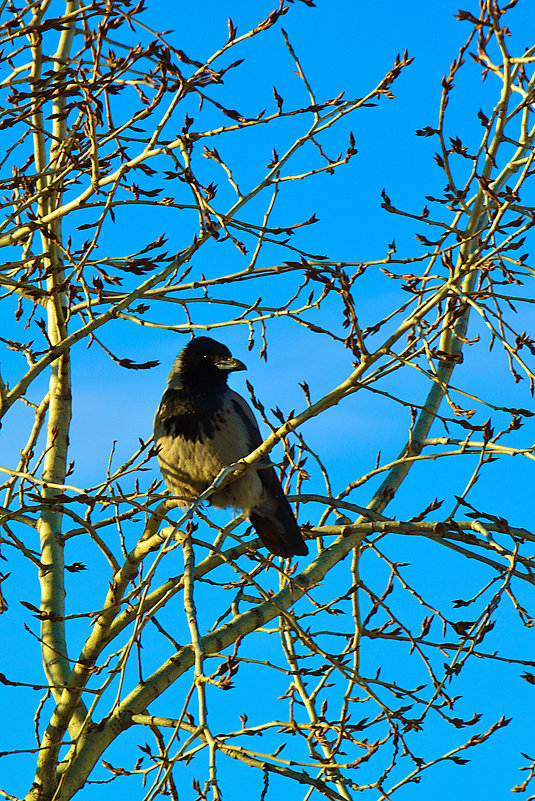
[[282, 542], [274, 520]]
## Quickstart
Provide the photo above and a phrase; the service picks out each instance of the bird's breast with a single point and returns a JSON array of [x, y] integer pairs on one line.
[[192, 453]]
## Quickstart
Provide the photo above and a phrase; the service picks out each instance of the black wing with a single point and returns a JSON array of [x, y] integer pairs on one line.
[[272, 518]]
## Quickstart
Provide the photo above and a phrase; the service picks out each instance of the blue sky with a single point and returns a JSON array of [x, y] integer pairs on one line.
[[343, 46]]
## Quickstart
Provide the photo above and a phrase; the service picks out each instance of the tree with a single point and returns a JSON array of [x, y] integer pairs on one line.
[[114, 136]]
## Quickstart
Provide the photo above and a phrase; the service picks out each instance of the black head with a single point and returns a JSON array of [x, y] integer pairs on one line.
[[203, 353], [204, 365]]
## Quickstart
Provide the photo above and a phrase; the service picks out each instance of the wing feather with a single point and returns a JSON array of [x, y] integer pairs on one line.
[[272, 518]]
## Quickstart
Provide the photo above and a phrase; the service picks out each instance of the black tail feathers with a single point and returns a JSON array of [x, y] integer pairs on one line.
[[274, 520]]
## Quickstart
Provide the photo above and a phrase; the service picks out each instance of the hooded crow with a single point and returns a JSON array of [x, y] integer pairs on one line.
[[203, 426]]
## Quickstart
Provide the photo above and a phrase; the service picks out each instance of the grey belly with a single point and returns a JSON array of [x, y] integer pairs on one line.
[[188, 468]]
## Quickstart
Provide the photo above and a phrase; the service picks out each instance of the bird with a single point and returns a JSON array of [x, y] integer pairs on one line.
[[202, 426]]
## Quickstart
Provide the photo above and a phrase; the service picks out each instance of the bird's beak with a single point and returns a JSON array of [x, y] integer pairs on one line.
[[230, 365]]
